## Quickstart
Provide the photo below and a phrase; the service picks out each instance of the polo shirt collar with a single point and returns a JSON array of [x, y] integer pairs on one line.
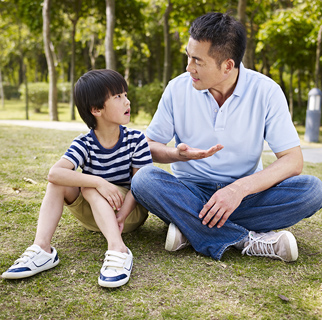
[[241, 82]]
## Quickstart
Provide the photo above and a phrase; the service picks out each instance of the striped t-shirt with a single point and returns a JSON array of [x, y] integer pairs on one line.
[[114, 165]]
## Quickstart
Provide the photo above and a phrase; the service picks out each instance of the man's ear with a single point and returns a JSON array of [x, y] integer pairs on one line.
[[95, 112], [229, 65]]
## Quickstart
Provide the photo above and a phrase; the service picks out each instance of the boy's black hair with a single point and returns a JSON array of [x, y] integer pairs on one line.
[[227, 36], [92, 90]]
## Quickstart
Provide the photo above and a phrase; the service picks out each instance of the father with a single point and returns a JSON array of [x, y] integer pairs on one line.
[[220, 114]]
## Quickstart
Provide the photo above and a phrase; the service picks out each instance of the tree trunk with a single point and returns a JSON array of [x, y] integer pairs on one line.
[[72, 72], [91, 51], [317, 59], [281, 82], [26, 89], [110, 23], [52, 97], [299, 87], [291, 93], [1, 90], [129, 52], [167, 45]]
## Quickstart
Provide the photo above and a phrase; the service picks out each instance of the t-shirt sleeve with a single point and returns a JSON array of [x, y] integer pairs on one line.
[[161, 128], [77, 152], [280, 132], [142, 155]]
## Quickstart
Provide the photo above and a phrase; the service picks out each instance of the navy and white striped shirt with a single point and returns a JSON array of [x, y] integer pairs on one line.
[[114, 165]]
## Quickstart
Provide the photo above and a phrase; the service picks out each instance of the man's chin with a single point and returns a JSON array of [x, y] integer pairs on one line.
[[197, 85]]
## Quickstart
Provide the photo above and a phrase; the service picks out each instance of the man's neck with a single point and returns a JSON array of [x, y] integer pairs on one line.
[[222, 93]]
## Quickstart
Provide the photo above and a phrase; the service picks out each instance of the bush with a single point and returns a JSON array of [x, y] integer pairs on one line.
[[10, 91], [37, 94], [63, 92], [148, 96]]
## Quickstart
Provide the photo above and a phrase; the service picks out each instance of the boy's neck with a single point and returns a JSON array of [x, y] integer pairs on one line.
[[108, 136]]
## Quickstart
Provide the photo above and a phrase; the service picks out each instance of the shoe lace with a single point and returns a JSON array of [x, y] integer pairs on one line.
[[27, 255], [259, 247], [114, 259]]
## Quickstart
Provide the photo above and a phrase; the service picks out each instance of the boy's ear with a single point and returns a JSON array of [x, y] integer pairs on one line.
[[95, 112]]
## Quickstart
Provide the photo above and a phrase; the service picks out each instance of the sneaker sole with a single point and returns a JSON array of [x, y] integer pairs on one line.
[[171, 237], [113, 284], [26, 274]]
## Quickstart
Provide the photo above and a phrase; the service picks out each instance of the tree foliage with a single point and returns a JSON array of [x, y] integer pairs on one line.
[[282, 41]]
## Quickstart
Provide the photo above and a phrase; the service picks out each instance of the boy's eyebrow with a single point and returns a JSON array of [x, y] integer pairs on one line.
[[196, 58]]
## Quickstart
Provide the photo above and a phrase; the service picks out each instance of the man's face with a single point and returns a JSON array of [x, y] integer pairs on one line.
[[203, 69]]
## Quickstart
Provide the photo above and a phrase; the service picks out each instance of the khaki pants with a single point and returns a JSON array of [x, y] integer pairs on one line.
[[81, 209]]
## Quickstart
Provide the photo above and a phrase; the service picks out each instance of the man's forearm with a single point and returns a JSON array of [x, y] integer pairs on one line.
[[161, 153], [287, 165]]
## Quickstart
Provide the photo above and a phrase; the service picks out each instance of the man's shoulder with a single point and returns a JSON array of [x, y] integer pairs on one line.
[[253, 76], [182, 78]]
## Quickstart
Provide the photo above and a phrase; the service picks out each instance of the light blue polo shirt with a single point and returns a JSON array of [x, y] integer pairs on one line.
[[256, 111]]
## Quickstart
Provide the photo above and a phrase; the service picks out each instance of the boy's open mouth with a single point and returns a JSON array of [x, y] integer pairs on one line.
[[127, 111]]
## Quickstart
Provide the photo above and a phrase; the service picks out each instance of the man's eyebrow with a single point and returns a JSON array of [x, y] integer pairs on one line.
[[194, 57]]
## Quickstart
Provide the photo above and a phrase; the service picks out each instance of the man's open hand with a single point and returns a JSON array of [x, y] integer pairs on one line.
[[187, 153]]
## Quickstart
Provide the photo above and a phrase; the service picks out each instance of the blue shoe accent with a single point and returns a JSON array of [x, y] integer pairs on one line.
[[19, 269], [38, 266], [113, 279]]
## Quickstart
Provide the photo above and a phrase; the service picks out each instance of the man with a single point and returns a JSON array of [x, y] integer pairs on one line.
[[220, 114]]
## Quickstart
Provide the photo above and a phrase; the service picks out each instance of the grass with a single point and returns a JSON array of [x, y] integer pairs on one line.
[[163, 285], [15, 110]]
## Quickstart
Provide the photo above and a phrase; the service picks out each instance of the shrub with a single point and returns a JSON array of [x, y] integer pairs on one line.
[[148, 96], [37, 94], [11, 92], [63, 91]]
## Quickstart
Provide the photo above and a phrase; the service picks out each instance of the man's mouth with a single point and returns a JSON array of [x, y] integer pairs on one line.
[[194, 79]]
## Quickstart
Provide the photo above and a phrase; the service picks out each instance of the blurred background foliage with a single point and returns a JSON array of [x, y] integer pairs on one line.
[[149, 39]]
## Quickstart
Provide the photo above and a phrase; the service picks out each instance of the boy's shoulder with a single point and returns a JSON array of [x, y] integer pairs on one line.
[[131, 131]]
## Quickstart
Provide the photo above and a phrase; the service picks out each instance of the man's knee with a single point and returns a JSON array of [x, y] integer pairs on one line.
[[311, 190]]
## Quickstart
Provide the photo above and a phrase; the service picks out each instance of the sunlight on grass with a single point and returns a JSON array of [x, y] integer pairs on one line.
[[177, 285]]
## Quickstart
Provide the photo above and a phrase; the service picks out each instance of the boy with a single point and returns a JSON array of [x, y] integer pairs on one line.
[[99, 196]]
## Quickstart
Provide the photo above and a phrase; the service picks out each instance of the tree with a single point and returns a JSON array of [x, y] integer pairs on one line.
[[167, 45], [317, 59], [110, 24], [52, 97], [74, 11]]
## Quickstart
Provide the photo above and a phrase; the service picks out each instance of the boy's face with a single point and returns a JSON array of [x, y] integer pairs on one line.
[[117, 109]]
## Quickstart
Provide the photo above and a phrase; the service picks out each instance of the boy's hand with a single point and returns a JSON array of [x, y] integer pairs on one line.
[[120, 219], [111, 193]]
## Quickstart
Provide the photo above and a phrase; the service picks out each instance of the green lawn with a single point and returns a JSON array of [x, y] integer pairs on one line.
[[163, 285]]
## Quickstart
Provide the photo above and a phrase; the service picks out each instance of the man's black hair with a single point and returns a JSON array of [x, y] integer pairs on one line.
[[227, 36], [92, 90]]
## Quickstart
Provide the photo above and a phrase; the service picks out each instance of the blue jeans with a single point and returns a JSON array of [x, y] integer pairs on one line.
[[180, 202]]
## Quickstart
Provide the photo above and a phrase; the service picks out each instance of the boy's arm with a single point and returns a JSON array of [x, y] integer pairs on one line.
[[127, 207], [62, 173]]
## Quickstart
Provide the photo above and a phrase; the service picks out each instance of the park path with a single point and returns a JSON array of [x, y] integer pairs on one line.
[[311, 152]]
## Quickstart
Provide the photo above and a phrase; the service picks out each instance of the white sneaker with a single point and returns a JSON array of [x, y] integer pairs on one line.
[[175, 239], [276, 245], [116, 269], [32, 261]]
